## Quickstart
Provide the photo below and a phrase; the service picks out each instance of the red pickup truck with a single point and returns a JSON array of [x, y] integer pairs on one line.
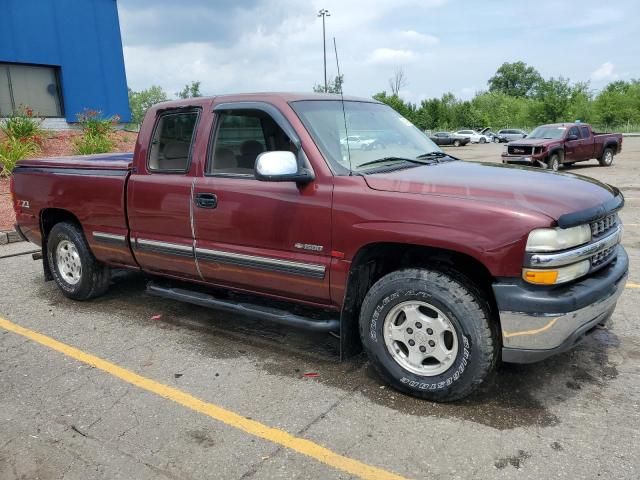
[[253, 204], [550, 146]]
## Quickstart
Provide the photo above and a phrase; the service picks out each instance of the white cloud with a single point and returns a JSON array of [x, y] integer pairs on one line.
[[420, 38], [390, 56], [604, 72]]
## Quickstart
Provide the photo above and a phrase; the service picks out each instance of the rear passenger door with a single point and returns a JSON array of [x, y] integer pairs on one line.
[[586, 143], [159, 197], [267, 237], [572, 147]]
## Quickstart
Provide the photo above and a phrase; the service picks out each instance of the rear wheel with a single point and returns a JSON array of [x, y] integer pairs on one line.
[[554, 162], [483, 140], [456, 143], [428, 334], [607, 158], [74, 268]]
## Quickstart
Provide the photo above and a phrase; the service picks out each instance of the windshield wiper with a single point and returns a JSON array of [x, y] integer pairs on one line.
[[394, 159], [437, 155]]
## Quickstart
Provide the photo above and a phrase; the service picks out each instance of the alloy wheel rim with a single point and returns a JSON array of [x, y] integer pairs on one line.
[[68, 262], [420, 338]]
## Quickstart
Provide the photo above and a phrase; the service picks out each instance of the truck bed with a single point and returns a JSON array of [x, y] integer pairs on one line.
[[91, 187]]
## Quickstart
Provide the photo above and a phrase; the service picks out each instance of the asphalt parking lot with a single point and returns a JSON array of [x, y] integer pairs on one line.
[[134, 387]]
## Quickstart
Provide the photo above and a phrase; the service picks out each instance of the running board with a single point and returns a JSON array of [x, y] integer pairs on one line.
[[275, 315]]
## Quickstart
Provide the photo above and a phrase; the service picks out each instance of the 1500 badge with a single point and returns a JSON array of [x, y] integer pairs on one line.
[[308, 246]]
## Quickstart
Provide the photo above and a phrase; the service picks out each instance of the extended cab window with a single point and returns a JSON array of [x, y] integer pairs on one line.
[[585, 132], [241, 136], [170, 148]]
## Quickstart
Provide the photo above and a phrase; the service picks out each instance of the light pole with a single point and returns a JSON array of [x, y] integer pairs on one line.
[[324, 13]]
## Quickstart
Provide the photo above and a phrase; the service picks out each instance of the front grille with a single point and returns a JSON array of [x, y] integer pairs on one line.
[[602, 226], [519, 150], [602, 256]]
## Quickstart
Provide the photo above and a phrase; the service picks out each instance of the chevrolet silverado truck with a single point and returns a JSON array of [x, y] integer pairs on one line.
[[251, 203], [551, 146]]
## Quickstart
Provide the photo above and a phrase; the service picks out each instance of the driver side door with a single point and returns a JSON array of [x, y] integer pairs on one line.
[[260, 236]]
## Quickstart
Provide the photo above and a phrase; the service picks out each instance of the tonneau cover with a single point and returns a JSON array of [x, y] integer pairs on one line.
[[103, 161]]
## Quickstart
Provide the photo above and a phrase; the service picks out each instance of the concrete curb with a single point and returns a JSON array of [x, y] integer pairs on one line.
[[9, 237]]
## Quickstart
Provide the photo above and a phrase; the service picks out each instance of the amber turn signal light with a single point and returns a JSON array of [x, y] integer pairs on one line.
[[540, 277]]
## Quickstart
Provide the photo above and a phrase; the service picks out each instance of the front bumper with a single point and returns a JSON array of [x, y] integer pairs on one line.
[[532, 160], [538, 322]]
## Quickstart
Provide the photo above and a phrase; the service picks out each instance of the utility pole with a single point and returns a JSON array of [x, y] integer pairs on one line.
[[324, 13]]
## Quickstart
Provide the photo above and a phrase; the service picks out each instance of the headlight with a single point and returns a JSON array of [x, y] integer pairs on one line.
[[554, 276], [553, 239]]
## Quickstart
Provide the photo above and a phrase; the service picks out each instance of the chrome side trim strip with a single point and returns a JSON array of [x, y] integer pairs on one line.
[[576, 254], [163, 247], [264, 263], [103, 237]]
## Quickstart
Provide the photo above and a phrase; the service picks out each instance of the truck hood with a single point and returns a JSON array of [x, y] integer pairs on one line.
[[550, 193]]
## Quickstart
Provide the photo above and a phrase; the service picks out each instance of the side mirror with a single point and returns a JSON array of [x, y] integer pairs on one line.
[[281, 166], [572, 137]]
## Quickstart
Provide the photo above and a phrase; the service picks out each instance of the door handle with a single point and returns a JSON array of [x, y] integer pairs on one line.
[[206, 200]]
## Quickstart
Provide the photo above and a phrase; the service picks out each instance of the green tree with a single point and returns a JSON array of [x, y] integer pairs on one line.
[[618, 104], [554, 98], [333, 86], [190, 90], [139, 102], [515, 79]]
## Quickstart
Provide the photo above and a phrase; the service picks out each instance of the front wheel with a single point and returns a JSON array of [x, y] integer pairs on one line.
[[496, 140], [483, 140], [607, 158], [554, 162], [428, 334], [74, 268]]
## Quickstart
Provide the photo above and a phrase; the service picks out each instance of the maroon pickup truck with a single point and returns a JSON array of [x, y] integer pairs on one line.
[[550, 146], [254, 204]]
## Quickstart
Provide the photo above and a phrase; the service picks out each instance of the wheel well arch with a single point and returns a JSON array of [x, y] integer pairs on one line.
[[558, 150], [48, 218], [375, 260], [613, 145]]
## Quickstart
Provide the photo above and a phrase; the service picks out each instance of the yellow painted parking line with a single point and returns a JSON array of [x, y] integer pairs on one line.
[[232, 419], [632, 285]]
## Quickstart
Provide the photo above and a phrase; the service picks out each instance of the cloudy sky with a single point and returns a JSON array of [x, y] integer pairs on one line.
[[442, 45]]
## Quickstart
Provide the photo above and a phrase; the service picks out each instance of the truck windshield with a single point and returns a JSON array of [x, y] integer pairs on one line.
[[374, 132], [547, 132]]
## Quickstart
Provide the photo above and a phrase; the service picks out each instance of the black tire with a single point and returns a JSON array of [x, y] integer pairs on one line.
[[93, 279], [554, 162], [482, 140], [469, 315], [496, 140], [606, 160], [456, 143]]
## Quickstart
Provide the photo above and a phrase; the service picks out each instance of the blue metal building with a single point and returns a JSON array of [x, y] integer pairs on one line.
[[61, 57]]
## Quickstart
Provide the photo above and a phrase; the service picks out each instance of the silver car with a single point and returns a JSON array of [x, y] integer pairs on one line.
[[511, 134]]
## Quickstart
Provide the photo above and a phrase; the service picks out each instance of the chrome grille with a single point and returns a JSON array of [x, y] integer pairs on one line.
[[602, 256], [519, 150], [602, 226]]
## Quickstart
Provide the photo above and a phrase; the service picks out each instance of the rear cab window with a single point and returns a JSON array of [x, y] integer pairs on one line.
[[585, 132], [172, 140]]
